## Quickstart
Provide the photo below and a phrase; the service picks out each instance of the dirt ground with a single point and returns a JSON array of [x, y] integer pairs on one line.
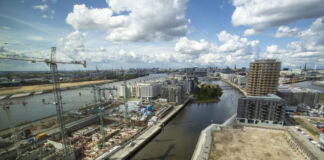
[[46, 87], [252, 143]]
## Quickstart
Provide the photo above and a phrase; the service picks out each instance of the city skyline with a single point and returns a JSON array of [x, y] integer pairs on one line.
[[166, 34]]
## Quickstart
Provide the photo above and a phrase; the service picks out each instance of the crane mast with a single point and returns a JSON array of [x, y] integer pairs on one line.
[[52, 62], [125, 101], [101, 112], [58, 98]]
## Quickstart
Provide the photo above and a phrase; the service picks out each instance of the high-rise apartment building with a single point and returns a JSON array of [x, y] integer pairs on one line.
[[263, 77]]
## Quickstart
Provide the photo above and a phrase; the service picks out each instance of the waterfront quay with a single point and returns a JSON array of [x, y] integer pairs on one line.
[[147, 135]]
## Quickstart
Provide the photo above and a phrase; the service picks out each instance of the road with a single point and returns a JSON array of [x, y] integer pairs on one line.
[[302, 138]]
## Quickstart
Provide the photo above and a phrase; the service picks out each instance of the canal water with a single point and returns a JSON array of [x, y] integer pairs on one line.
[[178, 139], [35, 109]]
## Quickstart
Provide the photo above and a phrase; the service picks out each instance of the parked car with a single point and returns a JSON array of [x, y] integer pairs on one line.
[[314, 142]]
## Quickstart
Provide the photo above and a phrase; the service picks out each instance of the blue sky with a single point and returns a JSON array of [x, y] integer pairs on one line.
[[163, 33]]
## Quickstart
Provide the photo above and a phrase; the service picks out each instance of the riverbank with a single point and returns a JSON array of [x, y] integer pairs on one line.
[[46, 87], [235, 86], [318, 83], [202, 149], [50, 121], [128, 150], [206, 100]]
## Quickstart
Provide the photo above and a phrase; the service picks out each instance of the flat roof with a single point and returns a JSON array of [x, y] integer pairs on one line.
[[251, 143], [266, 61], [269, 97], [297, 89]]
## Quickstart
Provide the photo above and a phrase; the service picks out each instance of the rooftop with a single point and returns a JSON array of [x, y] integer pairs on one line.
[[286, 88], [252, 143], [268, 97], [266, 61]]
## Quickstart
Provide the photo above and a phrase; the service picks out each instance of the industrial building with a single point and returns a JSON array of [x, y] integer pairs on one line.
[[268, 110], [263, 77], [295, 96]]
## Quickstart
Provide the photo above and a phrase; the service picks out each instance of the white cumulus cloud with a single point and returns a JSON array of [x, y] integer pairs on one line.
[[73, 46], [284, 31], [261, 15], [232, 50], [191, 47], [126, 20], [237, 46], [309, 47]]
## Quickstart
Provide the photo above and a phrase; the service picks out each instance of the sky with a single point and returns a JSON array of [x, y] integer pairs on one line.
[[114, 34]]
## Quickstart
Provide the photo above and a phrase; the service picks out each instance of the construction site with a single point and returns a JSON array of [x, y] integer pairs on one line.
[[96, 130]]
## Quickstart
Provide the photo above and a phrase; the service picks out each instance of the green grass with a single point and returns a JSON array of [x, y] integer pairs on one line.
[[303, 124]]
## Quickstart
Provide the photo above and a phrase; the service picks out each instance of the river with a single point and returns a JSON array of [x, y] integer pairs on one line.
[[308, 84], [35, 109], [178, 139]]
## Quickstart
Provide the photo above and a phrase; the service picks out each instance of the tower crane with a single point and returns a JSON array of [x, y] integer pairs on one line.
[[15, 133], [52, 62], [125, 101], [95, 90]]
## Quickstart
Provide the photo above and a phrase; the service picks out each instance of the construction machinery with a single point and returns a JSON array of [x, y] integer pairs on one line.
[[52, 62]]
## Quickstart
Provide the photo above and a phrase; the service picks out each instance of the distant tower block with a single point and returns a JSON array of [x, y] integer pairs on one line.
[[263, 77]]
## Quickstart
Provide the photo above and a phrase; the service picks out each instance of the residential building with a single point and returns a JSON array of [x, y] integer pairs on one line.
[[173, 93], [267, 110], [150, 90], [121, 91], [263, 77]]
